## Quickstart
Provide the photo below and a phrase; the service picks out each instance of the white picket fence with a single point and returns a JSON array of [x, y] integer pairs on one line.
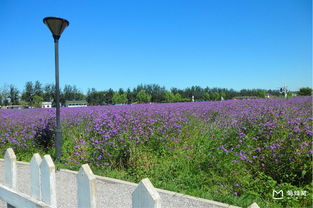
[[43, 186]]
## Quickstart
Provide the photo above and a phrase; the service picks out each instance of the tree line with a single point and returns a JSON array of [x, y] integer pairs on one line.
[[34, 93]]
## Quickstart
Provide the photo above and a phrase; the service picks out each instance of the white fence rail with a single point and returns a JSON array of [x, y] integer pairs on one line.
[[43, 186]]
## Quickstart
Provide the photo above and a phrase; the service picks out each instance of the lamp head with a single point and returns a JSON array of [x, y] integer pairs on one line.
[[56, 25]]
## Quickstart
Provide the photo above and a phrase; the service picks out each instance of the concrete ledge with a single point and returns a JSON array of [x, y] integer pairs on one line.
[[113, 181], [108, 180]]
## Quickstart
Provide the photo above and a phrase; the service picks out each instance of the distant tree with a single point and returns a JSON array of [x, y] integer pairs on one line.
[[108, 96], [174, 90], [262, 93], [24, 103], [38, 89], [14, 95], [71, 93], [222, 95], [273, 92], [95, 97], [177, 98], [305, 91], [119, 98], [231, 94], [37, 100], [131, 97], [48, 93], [289, 94], [143, 97], [207, 96], [216, 96], [169, 97], [5, 94], [156, 91], [253, 92], [121, 91], [28, 93]]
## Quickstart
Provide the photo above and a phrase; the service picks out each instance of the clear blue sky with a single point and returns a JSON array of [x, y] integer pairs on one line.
[[174, 43]]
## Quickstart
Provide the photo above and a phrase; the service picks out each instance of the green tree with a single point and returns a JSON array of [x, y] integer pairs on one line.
[[71, 93], [130, 96], [108, 96], [48, 93], [305, 91], [14, 95], [207, 96], [262, 93], [38, 89], [154, 90], [222, 95], [28, 93], [119, 98], [121, 91], [95, 97], [37, 100], [195, 91], [289, 94], [24, 103], [169, 97], [177, 97], [216, 96], [143, 97], [5, 94]]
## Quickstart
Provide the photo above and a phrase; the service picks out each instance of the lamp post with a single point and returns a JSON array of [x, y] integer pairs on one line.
[[56, 26]]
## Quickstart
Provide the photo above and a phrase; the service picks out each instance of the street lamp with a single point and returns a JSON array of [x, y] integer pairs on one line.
[[56, 26]]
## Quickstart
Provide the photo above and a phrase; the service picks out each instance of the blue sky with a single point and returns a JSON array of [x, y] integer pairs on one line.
[[174, 43]]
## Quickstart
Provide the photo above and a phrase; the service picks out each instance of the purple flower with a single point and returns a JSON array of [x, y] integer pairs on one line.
[[224, 149], [296, 129]]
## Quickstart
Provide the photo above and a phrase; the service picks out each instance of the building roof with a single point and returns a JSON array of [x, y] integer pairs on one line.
[[46, 103], [82, 102]]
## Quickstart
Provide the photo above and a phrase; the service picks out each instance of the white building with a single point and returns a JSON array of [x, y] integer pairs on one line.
[[75, 103], [46, 105]]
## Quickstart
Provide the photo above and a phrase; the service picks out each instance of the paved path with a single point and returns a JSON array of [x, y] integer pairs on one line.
[[111, 193]]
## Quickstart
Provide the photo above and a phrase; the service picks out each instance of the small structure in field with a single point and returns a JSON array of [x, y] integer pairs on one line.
[[14, 107], [75, 103], [46, 105], [268, 95]]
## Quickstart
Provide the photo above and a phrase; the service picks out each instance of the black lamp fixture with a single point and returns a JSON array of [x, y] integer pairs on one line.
[[57, 25]]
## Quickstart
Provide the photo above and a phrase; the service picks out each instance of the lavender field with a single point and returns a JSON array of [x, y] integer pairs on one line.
[[231, 151]]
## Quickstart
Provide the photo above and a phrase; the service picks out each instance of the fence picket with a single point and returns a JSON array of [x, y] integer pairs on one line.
[[48, 183], [10, 170], [145, 196], [86, 187], [35, 176], [254, 205]]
